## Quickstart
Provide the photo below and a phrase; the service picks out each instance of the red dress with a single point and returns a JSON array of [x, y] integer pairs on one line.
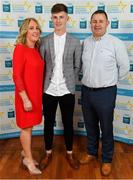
[[28, 75]]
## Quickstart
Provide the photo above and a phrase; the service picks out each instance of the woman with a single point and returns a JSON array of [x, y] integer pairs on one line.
[[28, 77]]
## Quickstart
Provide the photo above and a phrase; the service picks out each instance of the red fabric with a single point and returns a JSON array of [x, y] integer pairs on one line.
[[28, 68]]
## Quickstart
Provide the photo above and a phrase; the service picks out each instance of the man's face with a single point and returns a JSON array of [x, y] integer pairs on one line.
[[59, 20], [99, 25]]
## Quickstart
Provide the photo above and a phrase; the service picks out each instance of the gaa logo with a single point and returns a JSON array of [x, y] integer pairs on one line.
[[6, 6]]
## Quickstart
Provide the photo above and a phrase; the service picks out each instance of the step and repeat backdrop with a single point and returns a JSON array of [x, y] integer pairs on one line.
[[12, 14]]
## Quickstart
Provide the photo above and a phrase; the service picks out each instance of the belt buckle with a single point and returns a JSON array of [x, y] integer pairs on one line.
[[92, 89]]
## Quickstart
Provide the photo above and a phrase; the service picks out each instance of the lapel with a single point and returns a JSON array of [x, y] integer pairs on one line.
[[51, 42], [67, 44]]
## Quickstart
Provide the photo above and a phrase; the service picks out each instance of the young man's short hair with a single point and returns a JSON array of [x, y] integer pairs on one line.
[[58, 8]]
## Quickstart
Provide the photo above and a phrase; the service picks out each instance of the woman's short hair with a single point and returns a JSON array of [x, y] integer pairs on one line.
[[21, 39]]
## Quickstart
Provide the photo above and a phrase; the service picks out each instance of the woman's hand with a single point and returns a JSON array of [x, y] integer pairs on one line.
[[26, 102], [27, 105]]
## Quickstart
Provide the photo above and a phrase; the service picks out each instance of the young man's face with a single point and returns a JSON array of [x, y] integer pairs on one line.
[[99, 25], [59, 21]]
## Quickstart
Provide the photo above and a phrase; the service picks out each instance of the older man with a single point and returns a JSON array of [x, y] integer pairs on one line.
[[105, 61]]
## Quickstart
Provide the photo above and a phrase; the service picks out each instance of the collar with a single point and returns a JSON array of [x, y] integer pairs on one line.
[[62, 36], [100, 38]]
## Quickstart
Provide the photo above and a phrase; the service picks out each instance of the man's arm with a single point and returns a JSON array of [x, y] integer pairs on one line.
[[122, 60], [77, 57], [42, 48]]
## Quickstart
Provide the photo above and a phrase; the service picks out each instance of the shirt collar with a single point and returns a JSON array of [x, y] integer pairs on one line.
[[57, 36], [102, 37]]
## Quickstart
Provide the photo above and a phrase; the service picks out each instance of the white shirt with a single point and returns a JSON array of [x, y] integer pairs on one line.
[[57, 86], [105, 61]]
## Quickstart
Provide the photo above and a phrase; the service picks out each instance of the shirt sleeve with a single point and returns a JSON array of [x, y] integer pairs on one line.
[[122, 60], [18, 67]]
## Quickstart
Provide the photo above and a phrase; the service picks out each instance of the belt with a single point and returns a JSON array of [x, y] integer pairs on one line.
[[100, 88]]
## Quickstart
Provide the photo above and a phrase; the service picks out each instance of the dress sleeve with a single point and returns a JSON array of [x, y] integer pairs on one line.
[[18, 67]]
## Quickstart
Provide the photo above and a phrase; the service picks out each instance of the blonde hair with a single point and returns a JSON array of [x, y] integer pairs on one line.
[[21, 39]]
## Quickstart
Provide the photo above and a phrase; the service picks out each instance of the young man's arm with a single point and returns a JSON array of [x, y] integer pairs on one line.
[[77, 58]]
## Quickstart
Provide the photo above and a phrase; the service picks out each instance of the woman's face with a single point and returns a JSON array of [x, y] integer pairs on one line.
[[33, 32]]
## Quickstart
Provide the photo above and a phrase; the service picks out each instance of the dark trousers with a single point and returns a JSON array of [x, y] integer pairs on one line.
[[66, 104], [98, 108]]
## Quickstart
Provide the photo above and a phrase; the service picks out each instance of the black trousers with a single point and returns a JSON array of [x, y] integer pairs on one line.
[[66, 104], [98, 108]]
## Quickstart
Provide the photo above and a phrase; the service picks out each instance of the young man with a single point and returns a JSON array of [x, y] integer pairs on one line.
[[105, 61], [62, 54]]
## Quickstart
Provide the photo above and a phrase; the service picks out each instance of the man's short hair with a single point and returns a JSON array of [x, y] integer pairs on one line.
[[99, 12], [58, 8]]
